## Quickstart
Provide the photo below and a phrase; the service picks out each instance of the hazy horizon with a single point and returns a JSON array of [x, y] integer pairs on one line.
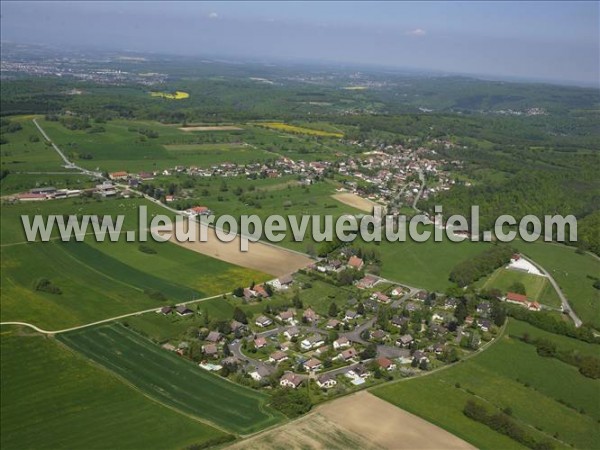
[[537, 41]]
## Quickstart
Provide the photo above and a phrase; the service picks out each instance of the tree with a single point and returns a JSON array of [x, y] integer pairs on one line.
[[226, 350], [461, 311], [360, 309], [333, 310], [238, 291], [498, 313], [240, 315], [369, 352]]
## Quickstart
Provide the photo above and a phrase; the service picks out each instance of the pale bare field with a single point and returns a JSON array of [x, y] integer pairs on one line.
[[211, 128], [356, 201], [358, 421], [314, 431], [269, 259]]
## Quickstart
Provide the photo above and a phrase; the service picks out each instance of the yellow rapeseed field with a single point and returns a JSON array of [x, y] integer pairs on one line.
[[178, 95]]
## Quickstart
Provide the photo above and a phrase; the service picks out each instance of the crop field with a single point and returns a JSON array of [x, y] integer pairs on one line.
[[510, 374], [177, 95], [101, 280], [205, 155], [173, 381], [286, 128], [355, 201], [210, 128], [572, 272], [537, 288], [54, 398]]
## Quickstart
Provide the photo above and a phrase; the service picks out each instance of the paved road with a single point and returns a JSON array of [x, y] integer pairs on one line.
[[422, 178], [563, 299]]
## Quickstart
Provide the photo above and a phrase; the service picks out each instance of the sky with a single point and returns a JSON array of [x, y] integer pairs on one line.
[[553, 41]]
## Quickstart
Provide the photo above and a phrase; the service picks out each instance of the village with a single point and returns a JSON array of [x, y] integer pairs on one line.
[[379, 332]]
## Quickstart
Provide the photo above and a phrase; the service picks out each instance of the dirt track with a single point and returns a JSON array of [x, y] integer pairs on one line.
[[266, 258], [355, 201]]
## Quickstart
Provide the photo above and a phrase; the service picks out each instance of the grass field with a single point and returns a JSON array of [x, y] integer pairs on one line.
[[21, 182], [572, 272], [425, 265], [508, 374], [172, 380], [537, 288], [54, 398]]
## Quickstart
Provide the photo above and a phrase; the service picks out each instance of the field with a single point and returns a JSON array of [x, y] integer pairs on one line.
[[173, 381], [205, 155], [572, 272], [280, 126], [425, 265], [356, 421], [210, 128], [54, 398], [261, 257], [509, 374], [355, 201], [101, 280], [177, 95], [537, 288]]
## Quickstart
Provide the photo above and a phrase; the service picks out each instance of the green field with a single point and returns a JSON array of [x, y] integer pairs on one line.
[[54, 398], [508, 374], [101, 280], [537, 288], [425, 265], [572, 272], [171, 380]]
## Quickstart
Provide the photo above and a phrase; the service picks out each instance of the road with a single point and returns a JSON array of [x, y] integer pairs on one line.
[[422, 178], [111, 319], [563, 299], [68, 164]]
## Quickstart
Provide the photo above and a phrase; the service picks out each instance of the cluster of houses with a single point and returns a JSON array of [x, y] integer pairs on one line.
[[46, 193]]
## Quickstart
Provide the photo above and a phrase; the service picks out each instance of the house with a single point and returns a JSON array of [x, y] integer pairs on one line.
[[381, 298], [399, 322], [356, 263], [412, 306], [342, 342], [213, 336], [326, 381], [183, 310], [404, 341], [210, 350], [146, 176], [290, 380], [484, 308], [517, 299], [484, 325], [469, 320], [322, 350], [260, 342], [420, 356], [439, 348], [237, 326], [360, 371], [263, 321], [198, 211], [397, 291], [286, 316], [366, 282], [385, 363], [348, 354], [535, 306], [291, 332], [312, 342], [351, 315], [450, 303], [379, 335], [166, 310], [312, 365], [282, 282], [310, 315], [260, 291], [421, 296], [169, 198], [277, 356], [332, 323], [259, 373], [118, 175]]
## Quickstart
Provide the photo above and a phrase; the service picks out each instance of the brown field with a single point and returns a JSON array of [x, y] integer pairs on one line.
[[359, 421], [211, 128], [355, 201], [266, 258]]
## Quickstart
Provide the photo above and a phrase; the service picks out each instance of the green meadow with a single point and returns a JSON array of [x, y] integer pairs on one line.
[[55, 398], [173, 381], [537, 288], [548, 397], [575, 274]]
